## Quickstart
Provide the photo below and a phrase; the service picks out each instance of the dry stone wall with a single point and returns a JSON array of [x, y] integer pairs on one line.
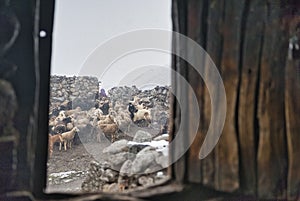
[[64, 88]]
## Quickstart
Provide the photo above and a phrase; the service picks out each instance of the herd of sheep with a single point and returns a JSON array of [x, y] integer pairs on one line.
[[110, 117]]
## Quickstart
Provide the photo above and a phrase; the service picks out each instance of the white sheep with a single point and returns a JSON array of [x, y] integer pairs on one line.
[[140, 107], [68, 138], [143, 114], [62, 114], [135, 100], [70, 126]]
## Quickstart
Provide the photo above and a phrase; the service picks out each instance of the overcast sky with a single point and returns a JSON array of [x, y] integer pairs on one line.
[[80, 26]]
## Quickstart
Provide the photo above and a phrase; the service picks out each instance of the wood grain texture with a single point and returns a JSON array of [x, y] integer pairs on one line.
[[227, 175], [196, 13], [292, 109], [179, 167], [214, 44], [248, 94], [272, 153]]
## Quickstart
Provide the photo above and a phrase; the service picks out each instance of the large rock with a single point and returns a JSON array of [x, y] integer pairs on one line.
[[116, 147], [126, 168], [142, 136], [162, 160], [144, 159], [118, 159]]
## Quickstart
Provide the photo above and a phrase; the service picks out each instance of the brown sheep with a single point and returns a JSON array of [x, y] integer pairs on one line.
[[52, 140], [110, 130], [108, 120]]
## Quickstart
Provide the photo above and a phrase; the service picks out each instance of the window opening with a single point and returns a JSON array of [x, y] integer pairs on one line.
[[108, 125]]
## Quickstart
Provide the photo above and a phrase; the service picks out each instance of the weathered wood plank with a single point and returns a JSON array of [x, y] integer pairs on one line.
[[179, 12], [272, 154], [227, 175], [292, 110], [214, 40], [196, 30], [247, 123]]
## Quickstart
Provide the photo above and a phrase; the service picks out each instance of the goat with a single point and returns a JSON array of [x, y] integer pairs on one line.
[[68, 138], [52, 139]]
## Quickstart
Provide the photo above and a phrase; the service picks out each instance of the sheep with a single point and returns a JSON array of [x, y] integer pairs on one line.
[[68, 138], [143, 114], [52, 121], [109, 129], [70, 112], [98, 112], [67, 120], [62, 114], [55, 111], [52, 139], [140, 107], [108, 120], [66, 105], [112, 112], [102, 117], [59, 128], [70, 126], [135, 100]]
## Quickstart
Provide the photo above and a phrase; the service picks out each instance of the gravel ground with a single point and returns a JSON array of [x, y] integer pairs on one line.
[[67, 169]]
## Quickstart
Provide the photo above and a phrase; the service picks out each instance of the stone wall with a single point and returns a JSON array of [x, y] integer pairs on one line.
[[69, 88]]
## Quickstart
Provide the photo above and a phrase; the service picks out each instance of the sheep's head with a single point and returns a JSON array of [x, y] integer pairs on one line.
[[58, 119], [76, 129], [62, 114]]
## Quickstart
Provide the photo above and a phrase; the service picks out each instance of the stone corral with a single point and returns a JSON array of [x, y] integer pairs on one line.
[[64, 88]]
